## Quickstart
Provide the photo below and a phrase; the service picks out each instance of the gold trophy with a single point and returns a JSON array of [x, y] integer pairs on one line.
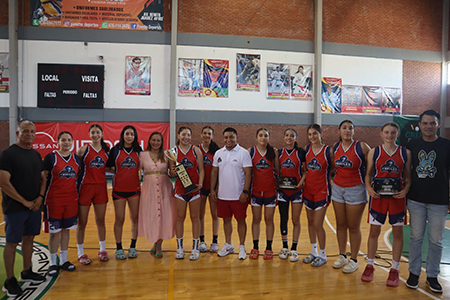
[[182, 174]]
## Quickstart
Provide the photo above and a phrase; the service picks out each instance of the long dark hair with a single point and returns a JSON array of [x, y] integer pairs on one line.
[[135, 144], [180, 130], [102, 142], [161, 148], [342, 123], [296, 147], [318, 129], [213, 147], [270, 151]]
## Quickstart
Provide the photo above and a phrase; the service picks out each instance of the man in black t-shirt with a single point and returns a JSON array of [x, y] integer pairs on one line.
[[23, 188], [428, 199]]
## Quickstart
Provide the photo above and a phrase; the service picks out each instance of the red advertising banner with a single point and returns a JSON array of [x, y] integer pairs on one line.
[[47, 134]]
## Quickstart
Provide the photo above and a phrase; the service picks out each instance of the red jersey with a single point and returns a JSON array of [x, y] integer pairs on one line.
[[389, 166], [126, 164], [263, 174], [350, 165], [189, 161], [318, 178], [62, 179], [207, 163], [291, 166], [93, 166]]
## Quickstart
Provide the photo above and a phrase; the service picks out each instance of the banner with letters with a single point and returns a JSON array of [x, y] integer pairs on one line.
[[371, 99], [277, 81], [137, 75], [331, 95], [351, 99], [215, 78], [247, 72], [301, 82], [190, 77], [392, 101], [4, 73]]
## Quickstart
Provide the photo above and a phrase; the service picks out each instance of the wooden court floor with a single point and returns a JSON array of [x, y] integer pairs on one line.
[[212, 277]]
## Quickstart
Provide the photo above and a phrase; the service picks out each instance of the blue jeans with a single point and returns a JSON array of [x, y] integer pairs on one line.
[[420, 214]]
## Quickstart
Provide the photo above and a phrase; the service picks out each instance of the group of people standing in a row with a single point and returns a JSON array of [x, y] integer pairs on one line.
[[231, 178]]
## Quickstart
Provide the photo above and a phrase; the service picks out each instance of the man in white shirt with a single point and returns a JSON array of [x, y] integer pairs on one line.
[[231, 176]]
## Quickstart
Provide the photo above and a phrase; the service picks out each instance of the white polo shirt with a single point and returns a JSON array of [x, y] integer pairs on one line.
[[231, 164]]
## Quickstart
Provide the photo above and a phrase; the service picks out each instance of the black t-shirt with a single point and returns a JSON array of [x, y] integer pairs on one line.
[[25, 166], [430, 171]]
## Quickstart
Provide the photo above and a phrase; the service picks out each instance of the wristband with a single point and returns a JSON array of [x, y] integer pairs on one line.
[[245, 192], [41, 196]]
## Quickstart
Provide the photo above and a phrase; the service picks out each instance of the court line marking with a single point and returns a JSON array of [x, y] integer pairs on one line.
[[387, 270], [2, 223]]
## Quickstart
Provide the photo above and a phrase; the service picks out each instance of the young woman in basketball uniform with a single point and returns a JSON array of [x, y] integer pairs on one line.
[[264, 190], [292, 160], [387, 161], [208, 147], [92, 190], [61, 201], [349, 194], [317, 192], [191, 158], [124, 161]]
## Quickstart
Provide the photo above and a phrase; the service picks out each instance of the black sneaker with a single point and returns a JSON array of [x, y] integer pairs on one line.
[[11, 288], [434, 285], [30, 276], [413, 281]]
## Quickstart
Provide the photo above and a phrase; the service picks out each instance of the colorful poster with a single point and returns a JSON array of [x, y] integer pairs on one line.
[[371, 99], [301, 82], [215, 78], [4, 73], [277, 81], [351, 99], [392, 101], [247, 72], [99, 14], [137, 75], [331, 95], [190, 77]]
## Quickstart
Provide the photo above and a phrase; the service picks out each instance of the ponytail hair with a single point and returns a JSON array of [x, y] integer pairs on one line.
[[270, 151], [296, 147], [102, 142], [180, 130], [213, 147]]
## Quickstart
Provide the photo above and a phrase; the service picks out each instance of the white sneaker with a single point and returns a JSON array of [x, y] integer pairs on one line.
[[214, 247], [284, 253], [179, 254], [340, 262], [242, 252], [350, 267], [227, 249], [203, 247], [195, 254], [293, 256]]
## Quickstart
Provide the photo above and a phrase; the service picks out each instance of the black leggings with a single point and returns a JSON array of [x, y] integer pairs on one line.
[[284, 216]]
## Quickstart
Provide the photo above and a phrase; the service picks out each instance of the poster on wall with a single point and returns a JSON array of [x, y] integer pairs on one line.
[[301, 82], [392, 101], [70, 86], [247, 72], [137, 75], [190, 77], [4, 73], [94, 14], [331, 95], [215, 78], [351, 99], [277, 81], [371, 99]]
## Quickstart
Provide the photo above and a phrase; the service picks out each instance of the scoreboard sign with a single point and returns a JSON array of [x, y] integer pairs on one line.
[[70, 86]]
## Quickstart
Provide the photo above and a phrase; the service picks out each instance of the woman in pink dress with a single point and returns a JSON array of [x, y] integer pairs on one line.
[[157, 214]]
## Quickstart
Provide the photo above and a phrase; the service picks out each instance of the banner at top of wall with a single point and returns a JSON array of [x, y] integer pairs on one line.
[[99, 14]]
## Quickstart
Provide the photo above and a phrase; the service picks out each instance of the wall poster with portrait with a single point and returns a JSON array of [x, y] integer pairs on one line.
[[137, 75], [248, 72]]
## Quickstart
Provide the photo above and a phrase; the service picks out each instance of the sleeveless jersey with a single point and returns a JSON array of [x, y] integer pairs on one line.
[[62, 179], [291, 166], [318, 178], [263, 173], [207, 163], [93, 165], [350, 165], [389, 166], [189, 161], [126, 178]]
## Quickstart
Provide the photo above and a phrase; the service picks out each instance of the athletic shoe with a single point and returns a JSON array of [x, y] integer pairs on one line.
[[30, 276], [227, 249], [284, 253], [340, 262], [12, 288], [293, 256], [242, 252], [214, 247], [367, 275], [350, 267], [319, 261], [392, 278], [309, 259], [413, 281], [195, 254], [179, 254], [434, 285], [203, 247]]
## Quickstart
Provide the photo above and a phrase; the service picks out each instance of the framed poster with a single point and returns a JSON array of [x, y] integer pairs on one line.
[[331, 95], [190, 77], [301, 82], [247, 72], [137, 75], [278, 81]]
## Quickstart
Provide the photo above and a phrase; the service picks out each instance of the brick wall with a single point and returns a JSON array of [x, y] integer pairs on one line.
[[4, 135]]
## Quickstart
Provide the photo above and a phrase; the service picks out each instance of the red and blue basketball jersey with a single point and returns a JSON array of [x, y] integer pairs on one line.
[[263, 174], [350, 165], [318, 177], [93, 164], [389, 166], [62, 179], [291, 166], [126, 164], [189, 161], [207, 163]]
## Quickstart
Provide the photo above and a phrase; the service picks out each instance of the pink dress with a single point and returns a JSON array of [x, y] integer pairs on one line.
[[157, 211]]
